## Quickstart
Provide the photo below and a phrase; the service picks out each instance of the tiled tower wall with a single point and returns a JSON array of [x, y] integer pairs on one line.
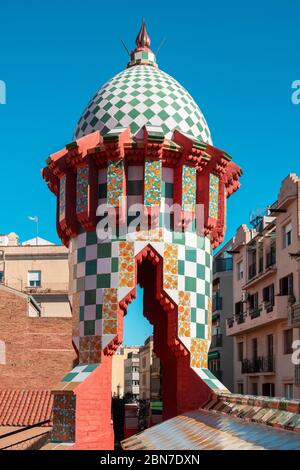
[[104, 272]]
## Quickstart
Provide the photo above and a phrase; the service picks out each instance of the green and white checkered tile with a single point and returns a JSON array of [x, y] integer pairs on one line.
[[210, 380], [143, 95], [194, 276], [80, 373]]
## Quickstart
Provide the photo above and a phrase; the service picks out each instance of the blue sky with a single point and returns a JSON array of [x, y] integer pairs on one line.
[[237, 60]]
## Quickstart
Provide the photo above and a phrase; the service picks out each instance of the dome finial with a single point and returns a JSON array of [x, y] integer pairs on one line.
[[143, 41], [142, 54]]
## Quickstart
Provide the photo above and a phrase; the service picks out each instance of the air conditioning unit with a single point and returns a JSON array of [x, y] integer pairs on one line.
[[245, 296]]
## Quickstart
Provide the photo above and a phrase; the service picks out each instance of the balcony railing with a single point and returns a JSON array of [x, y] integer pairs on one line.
[[297, 374], [217, 303], [254, 312], [260, 364], [230, 322], [240, 318], [270, 258], [252, 271], [216, 341], [222, 264], [294, 315]]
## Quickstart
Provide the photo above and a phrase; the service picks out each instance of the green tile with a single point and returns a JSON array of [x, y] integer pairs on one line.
[[81, 313], [210, 384], [114, 265], [89, 327], [69, 377], [91, 367], [190, 284], [91, 238], [190, 254], [193, 314], [167, 190], [103, 280], [90, 297], [207, 288], [200, 271], [81, 255], [91, 267], [181, 267], [98, 312], [104, 250], [200, 301], [200, 331], [207, 260]]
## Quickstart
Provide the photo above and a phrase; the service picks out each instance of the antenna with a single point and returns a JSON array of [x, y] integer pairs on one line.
[[161, 45], [124, 45]]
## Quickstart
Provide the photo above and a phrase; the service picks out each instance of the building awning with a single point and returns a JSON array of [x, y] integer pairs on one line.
[[213, 355]]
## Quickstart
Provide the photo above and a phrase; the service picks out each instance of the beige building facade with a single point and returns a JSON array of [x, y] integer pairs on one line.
[[118, 369], [37, 268], [266, 298]]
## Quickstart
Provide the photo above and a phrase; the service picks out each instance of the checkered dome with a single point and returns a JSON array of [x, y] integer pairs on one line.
[[143, 95]]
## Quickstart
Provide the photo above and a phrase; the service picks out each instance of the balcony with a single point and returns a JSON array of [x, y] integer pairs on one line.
[[270, 258], [254, 312], [294, 315], [216, 341], [222, 265], [258, 365], [264, 314], [217, 303], [252, 271]]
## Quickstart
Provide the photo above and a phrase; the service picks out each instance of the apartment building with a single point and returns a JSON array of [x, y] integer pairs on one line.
[[220, 356], [118, 369], [132, 376], [150, 373], [266, 295], [37, 268]]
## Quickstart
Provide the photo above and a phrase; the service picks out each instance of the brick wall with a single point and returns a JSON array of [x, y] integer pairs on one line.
[[38, 351]]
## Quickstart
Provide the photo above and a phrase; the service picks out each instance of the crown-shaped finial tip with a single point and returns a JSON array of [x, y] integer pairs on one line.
[[143, 41]]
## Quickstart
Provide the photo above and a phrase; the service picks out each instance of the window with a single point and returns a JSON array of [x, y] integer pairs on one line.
[[255, 388], [240, 272], [286, 235], [253, 301], [240, 388], [268, 390], [144, 379], [1, 276], [239, 308], [286, 285], [268, 297], [34, 278], [287, 341], [144, 363], [240, 351], [288, 391]]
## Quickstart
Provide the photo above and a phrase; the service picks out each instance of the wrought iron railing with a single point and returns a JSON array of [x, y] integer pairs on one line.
[[260, 364]]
